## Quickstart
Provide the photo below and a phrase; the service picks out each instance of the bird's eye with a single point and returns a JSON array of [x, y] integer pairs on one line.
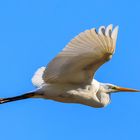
[[113, 87]]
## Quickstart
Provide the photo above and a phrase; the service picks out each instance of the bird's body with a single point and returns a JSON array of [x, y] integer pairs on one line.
[[69, 77], [75, 93]]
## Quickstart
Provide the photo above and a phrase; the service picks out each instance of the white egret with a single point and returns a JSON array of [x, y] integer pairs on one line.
[[69, 76]]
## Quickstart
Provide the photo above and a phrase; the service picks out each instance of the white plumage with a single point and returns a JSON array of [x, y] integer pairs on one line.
[[83, 55], [37, 79], [69, 76]]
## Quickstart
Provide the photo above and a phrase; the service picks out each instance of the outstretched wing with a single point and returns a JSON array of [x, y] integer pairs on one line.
[[83, 55]]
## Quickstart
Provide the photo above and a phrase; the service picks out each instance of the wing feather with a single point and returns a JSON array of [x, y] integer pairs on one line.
[[82, 56]]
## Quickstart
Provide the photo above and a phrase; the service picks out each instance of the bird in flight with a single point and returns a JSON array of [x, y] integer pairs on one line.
[[69, 77]]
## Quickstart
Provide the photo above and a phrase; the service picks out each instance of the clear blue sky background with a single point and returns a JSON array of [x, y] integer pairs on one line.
[[31, 33]]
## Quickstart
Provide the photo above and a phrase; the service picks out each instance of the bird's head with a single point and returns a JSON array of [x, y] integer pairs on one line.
[[110, 88]]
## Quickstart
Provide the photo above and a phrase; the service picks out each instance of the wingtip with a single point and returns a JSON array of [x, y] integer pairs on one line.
[[108, 30], [110, 25], [115, 32], [116, 27], [101, 30]]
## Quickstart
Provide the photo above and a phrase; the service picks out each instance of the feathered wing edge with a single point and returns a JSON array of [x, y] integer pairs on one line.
[[103, 41], [105, 38]]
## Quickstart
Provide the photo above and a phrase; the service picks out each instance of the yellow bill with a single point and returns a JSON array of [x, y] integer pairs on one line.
[[126, 89]]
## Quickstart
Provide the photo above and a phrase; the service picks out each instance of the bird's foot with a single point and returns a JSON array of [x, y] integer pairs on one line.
[[3, 100]]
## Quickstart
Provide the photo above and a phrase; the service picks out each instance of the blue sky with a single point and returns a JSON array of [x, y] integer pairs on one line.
[[31, 33]]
